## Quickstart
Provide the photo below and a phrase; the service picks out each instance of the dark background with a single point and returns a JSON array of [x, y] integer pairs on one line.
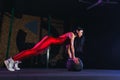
[[101, 24]]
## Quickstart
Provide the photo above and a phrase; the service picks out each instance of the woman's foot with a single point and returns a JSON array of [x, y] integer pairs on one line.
[[16, 65], [9, 63]]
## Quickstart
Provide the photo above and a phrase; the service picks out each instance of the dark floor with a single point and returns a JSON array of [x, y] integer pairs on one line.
[[59, 74]]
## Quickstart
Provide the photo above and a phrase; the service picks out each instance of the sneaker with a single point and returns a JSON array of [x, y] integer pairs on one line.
[[9, 63], [16, 65]]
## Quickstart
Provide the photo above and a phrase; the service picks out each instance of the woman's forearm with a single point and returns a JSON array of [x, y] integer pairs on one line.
[[72, 52]]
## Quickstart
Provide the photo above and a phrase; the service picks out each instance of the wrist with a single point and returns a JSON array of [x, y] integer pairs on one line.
[[73, 57]]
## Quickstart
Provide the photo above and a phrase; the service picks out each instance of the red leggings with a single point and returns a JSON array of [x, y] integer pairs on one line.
[[39, 47]]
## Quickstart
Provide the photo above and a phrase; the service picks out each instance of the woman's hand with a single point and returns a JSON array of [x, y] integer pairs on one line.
[[76, 60]]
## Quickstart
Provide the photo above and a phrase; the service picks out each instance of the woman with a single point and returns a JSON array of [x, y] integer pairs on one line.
[[12, 63]]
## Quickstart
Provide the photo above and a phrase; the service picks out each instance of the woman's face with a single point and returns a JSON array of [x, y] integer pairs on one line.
[[79, 33]]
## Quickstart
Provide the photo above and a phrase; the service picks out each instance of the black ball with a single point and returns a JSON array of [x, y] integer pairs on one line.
[[72, 66]]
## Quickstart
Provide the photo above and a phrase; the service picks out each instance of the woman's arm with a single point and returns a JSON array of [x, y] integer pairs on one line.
[[68, 50], [72, 50]]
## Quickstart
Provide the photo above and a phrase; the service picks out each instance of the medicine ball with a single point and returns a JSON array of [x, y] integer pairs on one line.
[[72, 66]]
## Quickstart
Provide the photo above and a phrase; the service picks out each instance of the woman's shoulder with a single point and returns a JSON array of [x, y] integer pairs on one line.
[[70, 34]]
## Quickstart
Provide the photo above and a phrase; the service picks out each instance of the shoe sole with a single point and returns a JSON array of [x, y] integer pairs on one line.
[[17, 69]]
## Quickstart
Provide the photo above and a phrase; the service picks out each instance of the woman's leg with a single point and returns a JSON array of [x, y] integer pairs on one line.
[[37, 49], [12, 63], [24, 54]]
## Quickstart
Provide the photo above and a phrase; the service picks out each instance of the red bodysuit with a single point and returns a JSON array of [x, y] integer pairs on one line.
[[41, 46]]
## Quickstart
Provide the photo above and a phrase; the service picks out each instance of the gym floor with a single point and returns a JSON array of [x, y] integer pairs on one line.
[[59, 74]]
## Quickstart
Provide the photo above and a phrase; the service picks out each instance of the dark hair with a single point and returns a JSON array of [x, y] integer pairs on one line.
[[76, 27]]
